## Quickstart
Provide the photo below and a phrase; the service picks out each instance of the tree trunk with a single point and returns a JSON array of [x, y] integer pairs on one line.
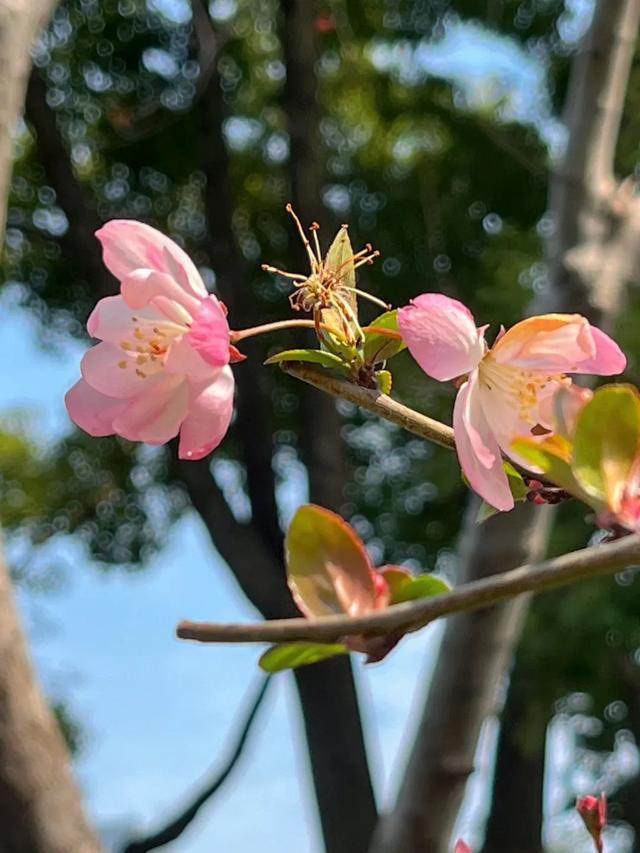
[[590, 259], [40, 807], [515, 822]]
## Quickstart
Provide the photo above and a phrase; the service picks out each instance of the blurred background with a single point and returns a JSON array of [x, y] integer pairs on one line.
[[430, 127]]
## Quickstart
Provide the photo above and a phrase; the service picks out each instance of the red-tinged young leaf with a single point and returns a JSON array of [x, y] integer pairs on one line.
[[395, 577], [292, 655], [328, 568]]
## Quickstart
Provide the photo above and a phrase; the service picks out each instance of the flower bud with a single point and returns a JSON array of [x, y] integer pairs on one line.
[[593, 811]]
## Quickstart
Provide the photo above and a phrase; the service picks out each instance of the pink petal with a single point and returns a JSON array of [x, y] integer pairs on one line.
[[182, 358], [90, 410], [608, 360], [462, 847], [209, 333], [129, 245], [101, 368], [554, 343], [478, 450], [112, 320], [441, 336], [210, 412], [144, 286], [155, 415]]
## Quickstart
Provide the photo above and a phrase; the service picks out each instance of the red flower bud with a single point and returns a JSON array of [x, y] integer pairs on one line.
[[462, 847], [593, 811]]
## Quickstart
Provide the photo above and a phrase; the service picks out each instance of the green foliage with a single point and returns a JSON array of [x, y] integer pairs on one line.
[[311, 356], [378, 346], [292, 655], [423, 586]]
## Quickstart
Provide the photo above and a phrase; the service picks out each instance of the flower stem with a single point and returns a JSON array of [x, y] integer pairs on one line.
[[253, 331]]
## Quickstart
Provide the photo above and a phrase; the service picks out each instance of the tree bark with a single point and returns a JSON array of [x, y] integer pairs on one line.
[[20, 23], [515, 821], [590, 259], [40, 807], [343, 771]]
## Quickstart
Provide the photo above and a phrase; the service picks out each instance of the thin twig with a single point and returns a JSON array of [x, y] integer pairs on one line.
[[374, 401], [177, 826], [404, 618]]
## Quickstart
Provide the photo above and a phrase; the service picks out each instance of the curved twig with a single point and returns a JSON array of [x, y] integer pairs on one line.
[[177, 826], [404, 618]]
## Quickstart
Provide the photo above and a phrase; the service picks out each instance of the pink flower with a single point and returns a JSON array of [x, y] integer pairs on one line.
[[162, 366], [461, 847], [507, 389], [593, 811]]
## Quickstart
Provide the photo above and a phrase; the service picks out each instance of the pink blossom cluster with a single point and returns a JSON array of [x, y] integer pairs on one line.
[[161, 367]]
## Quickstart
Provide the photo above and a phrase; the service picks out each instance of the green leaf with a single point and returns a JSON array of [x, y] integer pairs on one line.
[[382, 339], [328, 567], [423, 586], [292, 655], [314, 356], [553, 457], [518, 488], [337, 260], [385, 381], [606, 442]]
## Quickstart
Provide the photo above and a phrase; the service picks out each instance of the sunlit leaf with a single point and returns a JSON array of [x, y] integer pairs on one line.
[[328, 567], [382, 338], [423, 586], [606, 442], [313, 356], [292, 655], [552, 456]]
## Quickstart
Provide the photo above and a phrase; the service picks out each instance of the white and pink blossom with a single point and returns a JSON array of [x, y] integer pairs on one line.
[[162, 365], [505, 390]]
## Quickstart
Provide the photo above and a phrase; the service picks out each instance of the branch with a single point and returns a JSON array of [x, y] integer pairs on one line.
[[177, 826], [405, 618], [373, 401]]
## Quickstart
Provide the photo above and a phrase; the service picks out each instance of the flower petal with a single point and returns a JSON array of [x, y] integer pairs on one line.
[[114, 372], [441, 335], [91, 410], [112, 320], [155, 415], [183, 358], [608, 360], [209, 333], [477, 448], [143, 286], [129, 245], [210, 411], [554, 343]]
